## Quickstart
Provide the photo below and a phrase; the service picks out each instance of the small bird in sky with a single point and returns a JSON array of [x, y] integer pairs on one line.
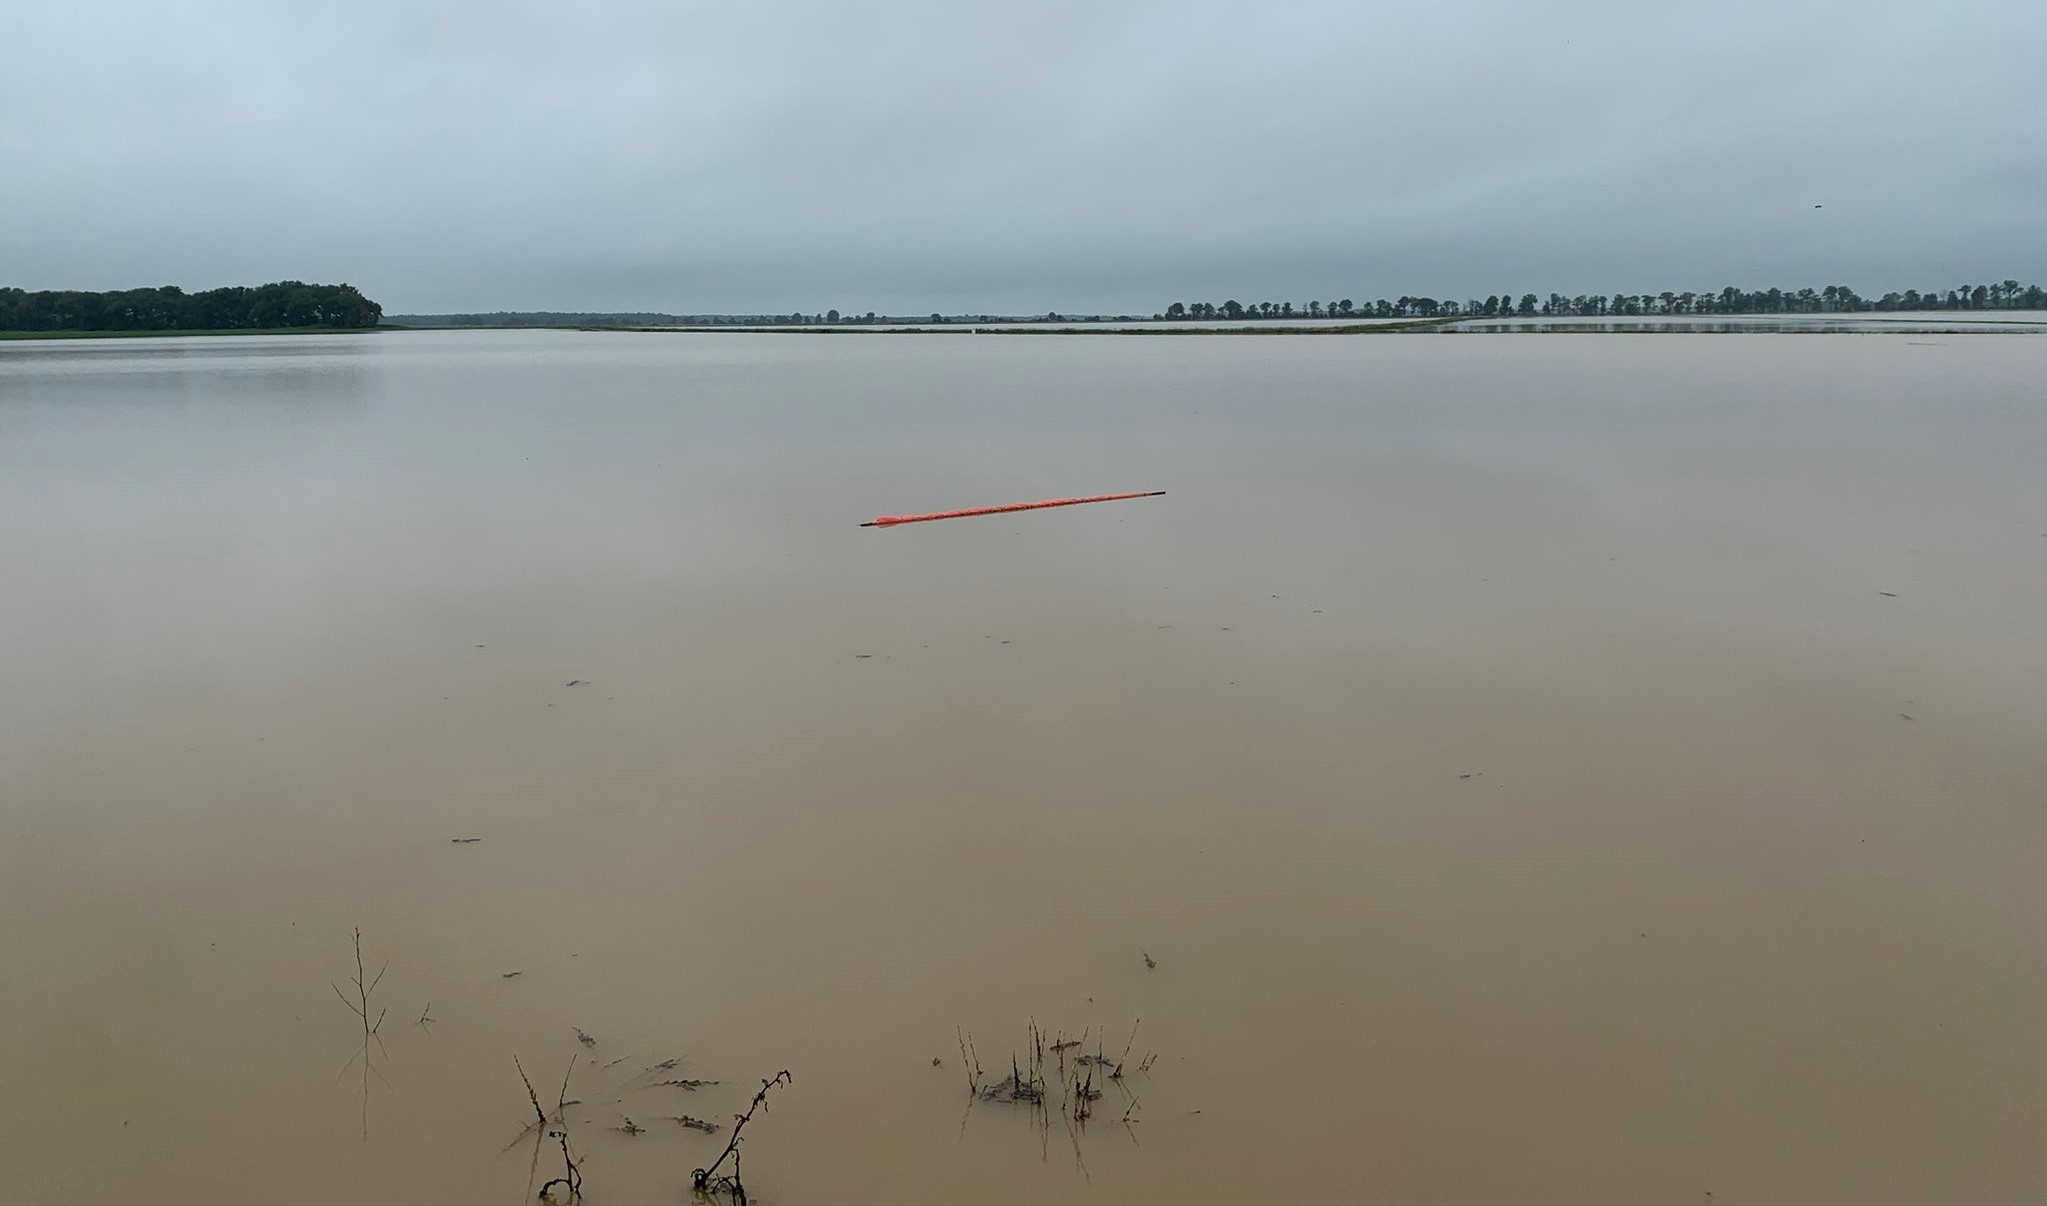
[[1819, 207]]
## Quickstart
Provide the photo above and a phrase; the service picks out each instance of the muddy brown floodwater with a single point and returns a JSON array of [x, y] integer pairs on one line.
[[1533, 769]]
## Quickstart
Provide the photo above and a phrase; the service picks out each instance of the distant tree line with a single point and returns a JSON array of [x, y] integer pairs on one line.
[[1833, 299], [169, 308]]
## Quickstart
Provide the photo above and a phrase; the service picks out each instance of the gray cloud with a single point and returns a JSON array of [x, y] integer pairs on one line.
[[908, 156]]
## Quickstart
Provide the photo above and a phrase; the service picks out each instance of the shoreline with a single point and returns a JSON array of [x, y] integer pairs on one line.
[[1459, 325], [1369, 328], [1421, 326]]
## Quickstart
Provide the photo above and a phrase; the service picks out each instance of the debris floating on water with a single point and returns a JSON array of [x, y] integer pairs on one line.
[[889, 521]]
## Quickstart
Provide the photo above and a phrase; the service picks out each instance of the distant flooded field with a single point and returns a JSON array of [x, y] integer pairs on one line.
[[1535, 770]]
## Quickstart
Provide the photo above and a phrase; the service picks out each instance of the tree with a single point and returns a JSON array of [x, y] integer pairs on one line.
[[1176, 310], [1233, 309], [170, 308], [1344, 307], [831, 316]]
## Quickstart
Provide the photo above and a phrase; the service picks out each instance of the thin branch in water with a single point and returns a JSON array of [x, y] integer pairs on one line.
[[968, 1060], [572, 1178], [572, 1181], [1118, 1073], [365, 987], [561, 1099], [539, 1114], [708, 1181]]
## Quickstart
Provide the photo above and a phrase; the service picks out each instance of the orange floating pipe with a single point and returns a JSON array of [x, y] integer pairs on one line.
[[889, 521]]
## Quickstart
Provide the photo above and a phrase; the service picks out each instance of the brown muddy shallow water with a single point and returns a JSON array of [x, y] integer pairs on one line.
[[1500, 746]]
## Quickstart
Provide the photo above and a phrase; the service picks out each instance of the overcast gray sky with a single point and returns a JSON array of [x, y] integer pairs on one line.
[[1093, 155]]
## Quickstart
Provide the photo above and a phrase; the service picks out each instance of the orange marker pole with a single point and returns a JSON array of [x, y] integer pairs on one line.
[[889, 521]]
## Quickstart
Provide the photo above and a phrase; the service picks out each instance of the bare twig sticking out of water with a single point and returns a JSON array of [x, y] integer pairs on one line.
[[708, 1182], [969, 1060], [1118, 1073], [1084, 1101], [572, 1180], [537, 1128], [561, 1099], [365, 987], [572, 1174], [539, 1115]]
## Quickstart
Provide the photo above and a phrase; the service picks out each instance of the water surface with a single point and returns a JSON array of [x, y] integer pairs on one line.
[[1541, 770]]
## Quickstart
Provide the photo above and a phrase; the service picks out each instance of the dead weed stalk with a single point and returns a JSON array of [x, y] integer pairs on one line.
[[365, 988], [709, 1183]]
